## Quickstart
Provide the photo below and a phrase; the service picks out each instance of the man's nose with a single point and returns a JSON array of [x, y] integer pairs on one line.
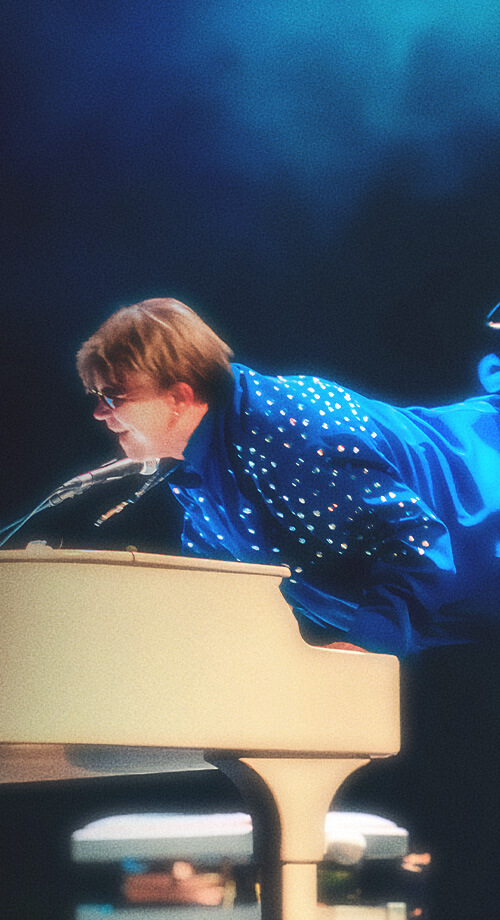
[[102, 411]]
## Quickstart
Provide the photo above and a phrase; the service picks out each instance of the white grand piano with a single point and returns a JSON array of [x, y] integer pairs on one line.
[[122, 662]]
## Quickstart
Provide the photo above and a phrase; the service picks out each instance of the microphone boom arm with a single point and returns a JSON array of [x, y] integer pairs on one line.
[[109, 472]]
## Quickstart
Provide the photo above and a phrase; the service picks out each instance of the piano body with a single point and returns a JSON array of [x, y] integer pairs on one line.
[[122, 662]]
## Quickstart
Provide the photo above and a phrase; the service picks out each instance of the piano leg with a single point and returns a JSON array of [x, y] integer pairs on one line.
[[288, 799]]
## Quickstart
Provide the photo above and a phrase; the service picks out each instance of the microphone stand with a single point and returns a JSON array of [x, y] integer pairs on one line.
[[154, 480], [74, 487]]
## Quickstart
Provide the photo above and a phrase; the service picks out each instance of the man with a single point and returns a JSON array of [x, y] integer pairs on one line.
[[388, 518]]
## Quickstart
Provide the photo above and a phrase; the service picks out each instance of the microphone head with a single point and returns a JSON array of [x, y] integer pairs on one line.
[[149, 466]]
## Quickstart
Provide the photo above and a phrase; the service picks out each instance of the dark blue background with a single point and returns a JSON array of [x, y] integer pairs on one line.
[[319, 179]]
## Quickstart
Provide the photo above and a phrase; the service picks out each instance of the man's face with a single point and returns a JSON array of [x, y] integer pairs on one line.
[[144, 418]]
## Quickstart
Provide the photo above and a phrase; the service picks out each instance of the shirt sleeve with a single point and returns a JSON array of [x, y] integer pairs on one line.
[[325, 476]]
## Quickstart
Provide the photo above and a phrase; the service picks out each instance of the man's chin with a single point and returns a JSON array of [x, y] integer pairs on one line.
[[130, 448], [136, 450]]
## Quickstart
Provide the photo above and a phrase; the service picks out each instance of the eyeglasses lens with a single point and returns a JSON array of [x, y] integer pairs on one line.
[[111, 401]]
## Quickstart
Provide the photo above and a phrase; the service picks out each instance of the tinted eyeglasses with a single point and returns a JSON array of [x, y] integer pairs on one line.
[[110, 399]]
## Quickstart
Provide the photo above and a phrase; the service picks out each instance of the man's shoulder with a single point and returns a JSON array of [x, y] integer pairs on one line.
[[303, 413], [262, 388]]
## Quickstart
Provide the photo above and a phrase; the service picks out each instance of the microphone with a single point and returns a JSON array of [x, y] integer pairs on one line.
[[114, 469]]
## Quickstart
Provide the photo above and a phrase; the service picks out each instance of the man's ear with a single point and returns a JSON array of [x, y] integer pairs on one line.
[[183, 395]]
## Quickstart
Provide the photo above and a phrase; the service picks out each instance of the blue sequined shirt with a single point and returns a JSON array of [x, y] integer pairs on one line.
[[389, 518]]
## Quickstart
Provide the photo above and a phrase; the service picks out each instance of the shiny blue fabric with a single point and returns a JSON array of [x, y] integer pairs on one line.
[[389, 518]]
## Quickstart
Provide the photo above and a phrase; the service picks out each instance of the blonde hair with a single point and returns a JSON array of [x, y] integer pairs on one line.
[[164, 339]]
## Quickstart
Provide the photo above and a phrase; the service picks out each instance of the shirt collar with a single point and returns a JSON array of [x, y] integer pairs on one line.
[[196, 450]]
